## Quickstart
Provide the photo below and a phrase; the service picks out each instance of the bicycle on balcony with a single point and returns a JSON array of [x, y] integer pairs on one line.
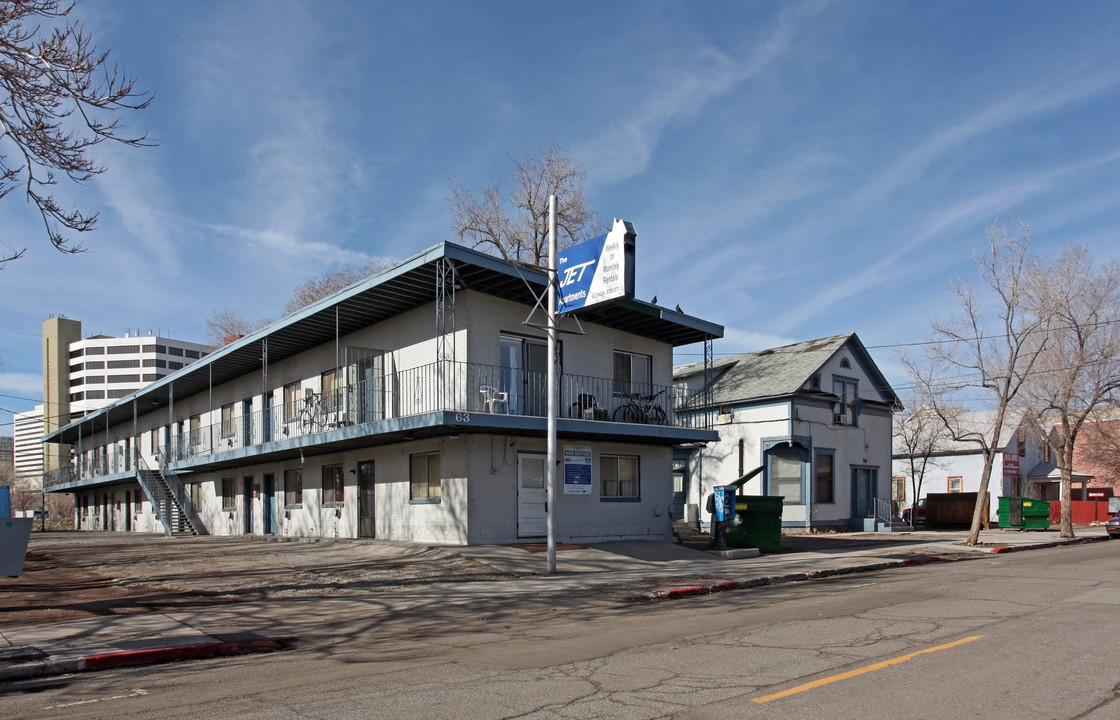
[[639, 408]]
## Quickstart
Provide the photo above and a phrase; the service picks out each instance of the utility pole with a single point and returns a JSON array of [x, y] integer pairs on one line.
[[550, 462]]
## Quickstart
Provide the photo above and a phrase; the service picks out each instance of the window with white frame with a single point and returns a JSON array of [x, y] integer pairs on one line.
[[329, 388], [785, 474], [291, 401], [618, 477], [334, 489], [632, 372], [847, 390], [825, 478], [229, 497], [956, 484], [293, 487], [425, 477], [227, 420], [195, 427]]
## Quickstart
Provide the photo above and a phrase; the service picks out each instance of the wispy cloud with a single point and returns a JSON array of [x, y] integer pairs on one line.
[[293, 169], [1020, 107], [887, 270], [679, 91], [29, 385], [286, 247], [134, 190]]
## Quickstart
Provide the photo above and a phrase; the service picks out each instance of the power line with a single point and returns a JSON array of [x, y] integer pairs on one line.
[[978, 338]]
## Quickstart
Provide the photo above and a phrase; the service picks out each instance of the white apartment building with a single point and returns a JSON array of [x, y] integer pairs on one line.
[[27, 455], [409, 406], [103, 369]]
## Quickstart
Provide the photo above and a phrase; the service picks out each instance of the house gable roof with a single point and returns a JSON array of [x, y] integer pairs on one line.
[[784, 371]]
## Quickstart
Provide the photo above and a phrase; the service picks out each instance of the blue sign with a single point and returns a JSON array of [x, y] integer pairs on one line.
[[597, 271], [724, 502], [577, 470]]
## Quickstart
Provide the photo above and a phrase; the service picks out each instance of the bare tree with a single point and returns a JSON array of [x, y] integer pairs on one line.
[[59, 98], [224, 324], [317, 288], [965, 355], [229, 323], [1079, 368], [919, 435], [517, 227]]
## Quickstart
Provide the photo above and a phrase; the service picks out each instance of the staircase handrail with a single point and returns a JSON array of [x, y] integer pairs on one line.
[[156, 495], [883, 511], [179, 492]]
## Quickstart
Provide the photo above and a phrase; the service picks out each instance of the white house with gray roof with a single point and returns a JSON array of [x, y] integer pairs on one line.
[[816, 415]]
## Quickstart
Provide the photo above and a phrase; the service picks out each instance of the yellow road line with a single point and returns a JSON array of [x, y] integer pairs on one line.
[[862, 670], [1047, 617]]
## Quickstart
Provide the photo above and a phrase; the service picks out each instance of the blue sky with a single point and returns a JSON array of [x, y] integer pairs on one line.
[[794, 170]]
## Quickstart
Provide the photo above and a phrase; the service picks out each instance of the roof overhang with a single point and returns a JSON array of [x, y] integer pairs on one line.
[[409, 284]]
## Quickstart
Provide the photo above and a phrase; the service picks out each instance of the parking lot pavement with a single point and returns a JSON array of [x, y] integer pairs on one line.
[[93, 600]]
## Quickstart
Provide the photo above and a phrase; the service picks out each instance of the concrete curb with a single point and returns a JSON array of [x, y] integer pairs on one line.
[[1041, 546], [147, 656], [793, 577], [677, 593]]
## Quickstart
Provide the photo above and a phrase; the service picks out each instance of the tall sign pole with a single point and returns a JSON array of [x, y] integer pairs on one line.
[[550, 462]]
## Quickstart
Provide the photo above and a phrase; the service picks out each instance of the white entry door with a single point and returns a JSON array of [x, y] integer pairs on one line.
[[531, 496]]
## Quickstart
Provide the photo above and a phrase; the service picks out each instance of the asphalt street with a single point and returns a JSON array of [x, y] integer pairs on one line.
[[1022, 635]]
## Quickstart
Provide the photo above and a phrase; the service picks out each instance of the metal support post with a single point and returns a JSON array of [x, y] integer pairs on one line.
[[553, 346]]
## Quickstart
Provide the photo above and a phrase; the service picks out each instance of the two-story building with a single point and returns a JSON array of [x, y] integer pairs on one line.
[[815, 415], [409, 406]]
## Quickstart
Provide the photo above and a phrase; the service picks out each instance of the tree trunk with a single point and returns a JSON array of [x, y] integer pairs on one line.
[[1067, 502], [981, 498]]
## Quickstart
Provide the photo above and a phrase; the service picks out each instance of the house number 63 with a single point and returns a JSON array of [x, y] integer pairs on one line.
[[462, 417]]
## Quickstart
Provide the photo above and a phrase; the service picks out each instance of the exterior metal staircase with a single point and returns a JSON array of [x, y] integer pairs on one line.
[[169, 501]]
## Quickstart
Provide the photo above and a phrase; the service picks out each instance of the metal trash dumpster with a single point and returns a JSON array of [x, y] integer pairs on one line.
[[757, 523], [1024, 513]]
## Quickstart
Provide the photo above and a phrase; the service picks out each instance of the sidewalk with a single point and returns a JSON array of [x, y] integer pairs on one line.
[[142, 638]]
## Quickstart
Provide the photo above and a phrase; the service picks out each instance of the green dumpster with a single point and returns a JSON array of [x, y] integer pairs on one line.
[[757, 523], [1024, 513]]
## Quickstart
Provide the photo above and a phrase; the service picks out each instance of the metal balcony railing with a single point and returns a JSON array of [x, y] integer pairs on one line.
[[439, 386]]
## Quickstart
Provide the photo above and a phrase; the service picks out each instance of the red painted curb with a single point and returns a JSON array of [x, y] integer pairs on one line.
[[1005, 549], [684, 592], [181, 652], [150, 655], [922, 560]]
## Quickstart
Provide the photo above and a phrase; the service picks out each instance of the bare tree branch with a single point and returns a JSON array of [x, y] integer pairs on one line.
[[919, 435], [517, 228], [317, 288], [224, 325], [965, 356], [59, 97], [1079, 369]]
